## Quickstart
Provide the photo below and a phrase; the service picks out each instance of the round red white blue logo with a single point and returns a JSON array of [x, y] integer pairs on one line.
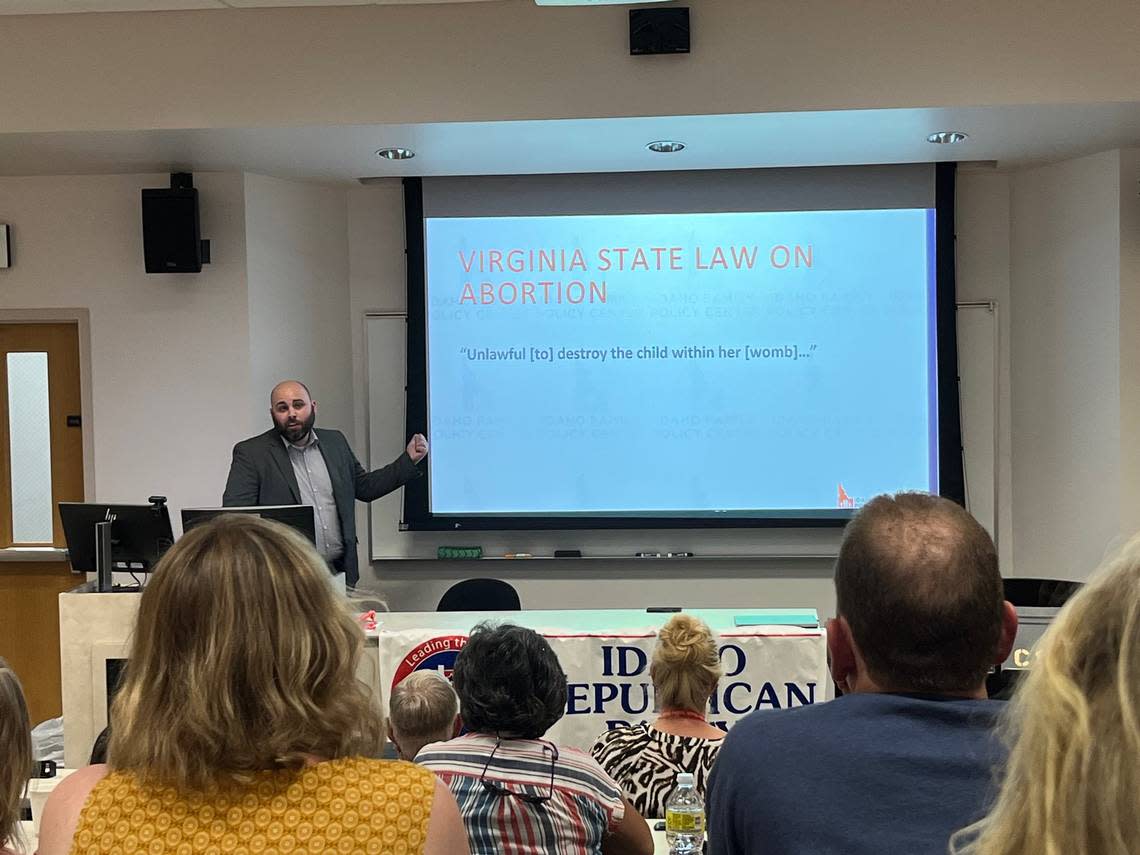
[[435, 654]]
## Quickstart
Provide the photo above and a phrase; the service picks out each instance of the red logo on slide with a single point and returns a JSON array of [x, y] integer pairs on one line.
[[435, 654], [844, 501]]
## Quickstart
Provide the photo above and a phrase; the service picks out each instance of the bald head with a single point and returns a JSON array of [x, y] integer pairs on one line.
[[289, 388], [917, 581], [293, 410]]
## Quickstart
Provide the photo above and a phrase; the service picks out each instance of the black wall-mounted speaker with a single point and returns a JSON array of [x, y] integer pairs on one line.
[[659, 30], [172, 239]]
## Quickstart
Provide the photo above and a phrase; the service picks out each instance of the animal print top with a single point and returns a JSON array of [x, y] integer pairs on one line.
[[645, 762]]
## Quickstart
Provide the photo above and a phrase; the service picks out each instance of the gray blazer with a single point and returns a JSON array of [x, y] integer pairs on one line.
[[261, 474]]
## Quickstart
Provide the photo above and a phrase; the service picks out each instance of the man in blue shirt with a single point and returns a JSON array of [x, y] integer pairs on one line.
[[907, 755]]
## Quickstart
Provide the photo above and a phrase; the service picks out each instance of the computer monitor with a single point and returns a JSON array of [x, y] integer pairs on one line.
[[140, 534], [299, 517]]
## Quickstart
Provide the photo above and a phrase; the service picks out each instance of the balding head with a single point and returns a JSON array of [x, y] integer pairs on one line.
[[917, 582], [293, 410], [289, 389]]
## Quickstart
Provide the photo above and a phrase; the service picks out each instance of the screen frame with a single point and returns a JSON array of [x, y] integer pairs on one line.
[[301, 518], [417, 515]]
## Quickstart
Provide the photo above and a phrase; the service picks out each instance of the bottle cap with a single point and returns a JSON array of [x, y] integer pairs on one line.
[[685, 779]]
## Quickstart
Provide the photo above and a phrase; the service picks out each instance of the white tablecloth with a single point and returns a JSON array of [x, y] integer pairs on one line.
[[606, 656]]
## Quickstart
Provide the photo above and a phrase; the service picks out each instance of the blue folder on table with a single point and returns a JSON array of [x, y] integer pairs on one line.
[[779, 617]]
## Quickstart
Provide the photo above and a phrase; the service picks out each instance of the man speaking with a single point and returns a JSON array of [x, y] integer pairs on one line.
[[294, 463]]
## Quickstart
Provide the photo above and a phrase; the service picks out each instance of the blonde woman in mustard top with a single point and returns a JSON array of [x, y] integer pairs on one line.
[[240, 726]]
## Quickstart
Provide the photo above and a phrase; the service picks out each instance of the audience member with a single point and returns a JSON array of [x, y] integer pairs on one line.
[[908, 754], [1073, 726], [518, 793], [240, 720], [15, 755], [645, 758], [423, 709]]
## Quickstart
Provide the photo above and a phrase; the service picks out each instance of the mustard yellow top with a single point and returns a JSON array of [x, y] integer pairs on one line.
[[351, 805]]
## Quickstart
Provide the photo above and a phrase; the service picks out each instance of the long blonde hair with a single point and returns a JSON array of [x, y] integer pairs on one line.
[[241, 660], [686, 664], [15, 752], [1073, 776]]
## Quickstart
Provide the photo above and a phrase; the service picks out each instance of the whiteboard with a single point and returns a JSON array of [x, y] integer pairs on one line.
[[385, 346]]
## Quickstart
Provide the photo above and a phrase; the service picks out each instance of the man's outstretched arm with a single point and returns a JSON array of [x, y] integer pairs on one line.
[[379, 482]]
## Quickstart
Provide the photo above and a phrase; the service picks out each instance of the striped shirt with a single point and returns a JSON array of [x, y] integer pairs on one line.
[[585, 805]]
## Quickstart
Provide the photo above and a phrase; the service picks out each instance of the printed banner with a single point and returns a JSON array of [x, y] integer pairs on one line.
[[608, 674]]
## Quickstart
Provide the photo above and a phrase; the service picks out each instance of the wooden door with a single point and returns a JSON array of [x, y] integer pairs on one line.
[[41, 464]]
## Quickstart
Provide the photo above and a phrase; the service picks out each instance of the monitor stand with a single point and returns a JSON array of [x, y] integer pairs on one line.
[[103, 565]]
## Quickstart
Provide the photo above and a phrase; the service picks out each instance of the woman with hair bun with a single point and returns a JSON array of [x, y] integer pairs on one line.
[[645, 759]]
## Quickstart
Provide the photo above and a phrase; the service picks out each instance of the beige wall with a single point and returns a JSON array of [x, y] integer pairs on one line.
[[376, 284], [1130, 340], [376, 273], [982, 254], [1065, 362], [511, 60], [169, 353], [181, 364], [297, 251]]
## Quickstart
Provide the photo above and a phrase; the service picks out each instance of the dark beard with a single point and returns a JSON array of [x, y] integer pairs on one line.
[[298, 433]]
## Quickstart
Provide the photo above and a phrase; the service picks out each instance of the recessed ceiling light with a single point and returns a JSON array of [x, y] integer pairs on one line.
[[946, 137], [395, 153], [665, 146]]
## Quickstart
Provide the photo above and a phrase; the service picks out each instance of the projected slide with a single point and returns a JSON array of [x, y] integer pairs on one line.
[[682, 364]]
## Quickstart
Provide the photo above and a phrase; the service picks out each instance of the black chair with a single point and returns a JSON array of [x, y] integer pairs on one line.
[[480, 595], [1039, 592], [1034, 593]]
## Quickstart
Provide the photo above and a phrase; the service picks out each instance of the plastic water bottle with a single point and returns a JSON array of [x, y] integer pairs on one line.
[[684, 818]]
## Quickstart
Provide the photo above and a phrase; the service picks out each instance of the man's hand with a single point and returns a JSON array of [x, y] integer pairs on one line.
[[418, 447]]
